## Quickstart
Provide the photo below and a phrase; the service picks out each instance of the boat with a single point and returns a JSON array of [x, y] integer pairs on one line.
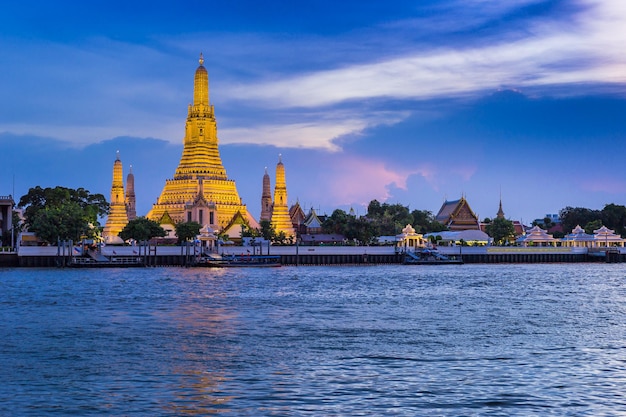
[[430, 257], [239, 261]]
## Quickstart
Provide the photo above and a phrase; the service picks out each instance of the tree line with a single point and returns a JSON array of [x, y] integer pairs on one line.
[[62, 213]]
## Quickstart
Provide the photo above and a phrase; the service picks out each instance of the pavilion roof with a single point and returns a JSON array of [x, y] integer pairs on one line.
[[604, 234], [537, 234]]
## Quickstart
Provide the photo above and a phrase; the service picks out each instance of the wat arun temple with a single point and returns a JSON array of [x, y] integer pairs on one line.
[[200, 190]]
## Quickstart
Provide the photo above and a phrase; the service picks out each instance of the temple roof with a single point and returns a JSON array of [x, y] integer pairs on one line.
[[457, 214]]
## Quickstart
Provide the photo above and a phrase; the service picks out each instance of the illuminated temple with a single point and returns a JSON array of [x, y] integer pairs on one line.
[[118, 217], [200, 190]]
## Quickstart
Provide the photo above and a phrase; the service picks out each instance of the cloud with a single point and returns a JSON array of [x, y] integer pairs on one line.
[[592, 51], [353, 180]]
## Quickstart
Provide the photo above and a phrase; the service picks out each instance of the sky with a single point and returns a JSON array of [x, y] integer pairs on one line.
[[409, 102]]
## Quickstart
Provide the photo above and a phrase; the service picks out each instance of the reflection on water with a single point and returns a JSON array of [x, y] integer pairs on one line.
[[388, 340]]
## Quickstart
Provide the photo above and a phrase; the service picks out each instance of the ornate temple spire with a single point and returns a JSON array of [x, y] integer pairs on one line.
[[500, 214], [266, 198], [200, 172], [281, 221], [131, 212], [201, 85], [117, 218]]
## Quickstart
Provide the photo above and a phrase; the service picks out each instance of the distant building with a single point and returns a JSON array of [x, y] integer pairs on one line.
[[6, 220], [297, 217], [457, 215]]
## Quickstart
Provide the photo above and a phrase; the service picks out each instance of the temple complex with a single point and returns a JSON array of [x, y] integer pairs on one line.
[[131, 212], [117, 219], [281, 220], [200, 190]]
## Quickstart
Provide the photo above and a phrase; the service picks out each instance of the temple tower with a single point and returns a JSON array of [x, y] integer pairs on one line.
[[117, 218], [131, 212], [500, 214], [266, 198], [281, 221], [200, 163]]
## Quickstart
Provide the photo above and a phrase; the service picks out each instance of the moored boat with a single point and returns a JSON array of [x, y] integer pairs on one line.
[[239, 261], [430, 257]]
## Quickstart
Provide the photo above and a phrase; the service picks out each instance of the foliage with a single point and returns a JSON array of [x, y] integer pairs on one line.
[[360, 229], [267, 231], [65, 222], [593, 225], [336, 222], [388, 219], [424, 222], [612, 216], [62, 213], [187, 231], [574, 216], [141, 229], [37, 199], [381, 220], [501, 230]]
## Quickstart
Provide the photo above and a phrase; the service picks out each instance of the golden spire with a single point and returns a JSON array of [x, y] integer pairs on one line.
[[201, 86], [200, 172], [281, 221], [117, 218]]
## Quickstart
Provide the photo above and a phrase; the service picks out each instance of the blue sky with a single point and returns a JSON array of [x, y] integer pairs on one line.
[[409, 102]]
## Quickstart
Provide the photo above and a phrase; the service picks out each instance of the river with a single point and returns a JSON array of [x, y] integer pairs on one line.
[[468, 340]]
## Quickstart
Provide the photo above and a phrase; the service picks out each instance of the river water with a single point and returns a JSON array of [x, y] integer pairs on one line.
[[470, 340]]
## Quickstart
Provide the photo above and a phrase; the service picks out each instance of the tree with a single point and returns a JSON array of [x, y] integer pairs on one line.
[[187, 231], [267, 231], [67, 222], [37, 199], [614, 217], [577, 216], [593, 225], [142, 229], [62, 213], [424, 222], [336, 222], [360, 229], [501, 230]]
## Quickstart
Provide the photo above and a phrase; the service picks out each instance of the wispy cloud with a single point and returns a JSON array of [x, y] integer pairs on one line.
[[593, 51]]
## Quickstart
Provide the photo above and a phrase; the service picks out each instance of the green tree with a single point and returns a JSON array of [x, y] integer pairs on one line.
[[593, 225], [62, 213], [187, 231], [614, 217], [424, 222], [575, 216], [501, 230], [336, 222], [142, 229], [360, 229], [66, 222], [267, 231], [389, 219], [93, 206]]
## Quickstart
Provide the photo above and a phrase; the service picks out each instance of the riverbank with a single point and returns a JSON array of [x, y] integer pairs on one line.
[[124, 256]]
